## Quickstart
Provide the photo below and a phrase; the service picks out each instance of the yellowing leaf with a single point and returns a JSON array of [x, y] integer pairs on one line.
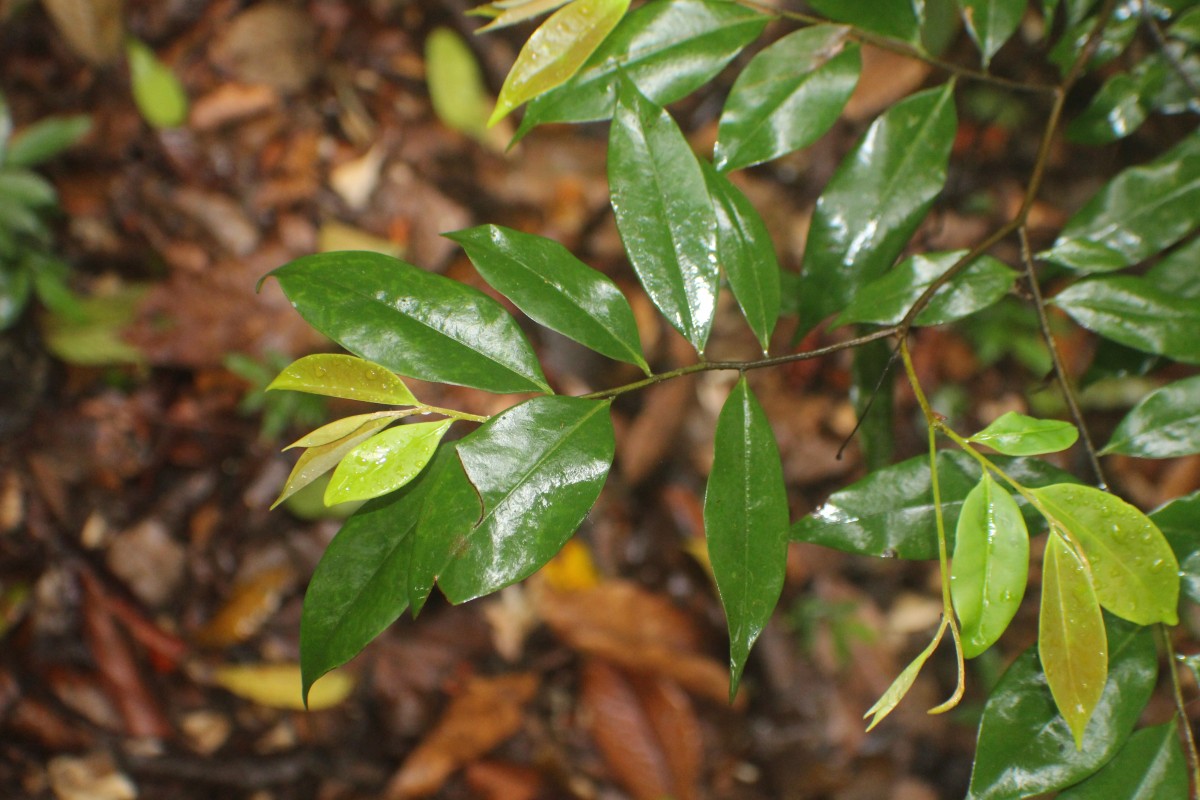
[[316, 461], [335, 375], [278, 686], [455, 83], [556, 50], [341, 428]]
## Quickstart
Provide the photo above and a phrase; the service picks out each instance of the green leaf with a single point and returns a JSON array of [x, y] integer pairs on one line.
[[451, 509], [890, 513], [990, 566], [787, 97], [93, 337], [317, 460], [1134, 312], [1072, 645], [886, 300], [1119, 108], [1134, 570], [510, 13], [876, 199], [891, 698], [340, 428], [27, 188], [1140, 212], [1150, 766], [411, 321], [1179, 520], [538, 469], [899, 19], [1019, 435], [15, 288], [335, 375], [456, 88], [746, 522], [1176, 272], [555, 289], [1025, 746], [556, 50], [668, 48], [747, 255], [157, 92], [385, 462], [1165, 424], [991, 23], [45, 139], [664, 214]]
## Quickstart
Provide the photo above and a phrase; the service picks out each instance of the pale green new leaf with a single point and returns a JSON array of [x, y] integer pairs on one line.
[[349, 377], [1019, 435], [904, 681], [343, 427], [385, 462], [158, 93], [316, 461]]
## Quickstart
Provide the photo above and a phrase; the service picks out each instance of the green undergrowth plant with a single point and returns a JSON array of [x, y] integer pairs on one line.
[[490, 507]]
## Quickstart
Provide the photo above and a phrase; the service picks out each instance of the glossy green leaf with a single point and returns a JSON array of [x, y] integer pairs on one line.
[[336, 375], [990, 566], [1026, 748], [157, 92], [343, 427], [664, 214], [1114, 39], [746, 522], [891, 698], [451, 509], [1072, 645], [886, 300], [787, 97], [538, 469], [555, 289], [385, 462], [1176, 272], [1186, 26], [668, 48], [875, 201], [1140, 212], [890, 512], [556, 50], [1134, 312], [510, 13], [1165, 424], [1120, 107], [316, 461], [747, 255], [992, 22], [45, 139], [456, 89], [411, 321], [1179, 521], [899, 19], [15, 288], [1019, 435], [1150, 766], [1134, 570]]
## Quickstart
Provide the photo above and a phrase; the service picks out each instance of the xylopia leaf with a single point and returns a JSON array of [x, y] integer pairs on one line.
[[992, 22], [335, 375], [411, 321], [664, 214], [1150, 766], [385, 462], [1019, 435], [900, 19], [875, 201], [1165, 424], [1025, 747], [320, 458], [1179, 520], [746, 522], [538, 468], [1134, 312], [451, 509]]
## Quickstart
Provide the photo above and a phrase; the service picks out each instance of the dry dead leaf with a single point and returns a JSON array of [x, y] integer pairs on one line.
[[646, 443], [231, 102], [90, 777], [497, 780], [251, 604], [92, 28], [886, 77], [272, 43]]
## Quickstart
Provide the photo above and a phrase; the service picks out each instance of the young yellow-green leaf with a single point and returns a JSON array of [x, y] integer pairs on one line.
[[156, 91], [335, 375], [904, 681], [316, 461], [343, 427], [990, 566], [1165, 424], [991, 23], [510, 13], [1019, 435], [746, 522], [1134, 570], [1072, 644], [1150, 766], [556, 50], [385, 462], [455, 82]]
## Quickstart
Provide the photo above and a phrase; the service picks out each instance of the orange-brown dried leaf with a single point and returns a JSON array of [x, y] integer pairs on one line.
[[486, 713], [498, 780], [249, 606]]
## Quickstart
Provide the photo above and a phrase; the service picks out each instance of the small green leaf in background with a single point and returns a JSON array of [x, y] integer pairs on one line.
[[156, 91], [385, 462], [891, 698], [875, 201], [437, 328], [1025, 747], [899, 19], [555, 289], [1072, 645], [1165, 424], [747, 255], [746, 522], [787, 97], [668, 48], [887, 299], [1176, 273], [1136, 313], [1150, 766], [509, 12], [336, 375], [1120, 107], [1113, 41], [1179, 520], [1019, 435], [1140, 212], [93, 336], [990, 565], [319, 459], [44, 139], [991, 23], [538, 468], [15, 288], [456, 88], [664, 213], [1133, 568], [556, 51]]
